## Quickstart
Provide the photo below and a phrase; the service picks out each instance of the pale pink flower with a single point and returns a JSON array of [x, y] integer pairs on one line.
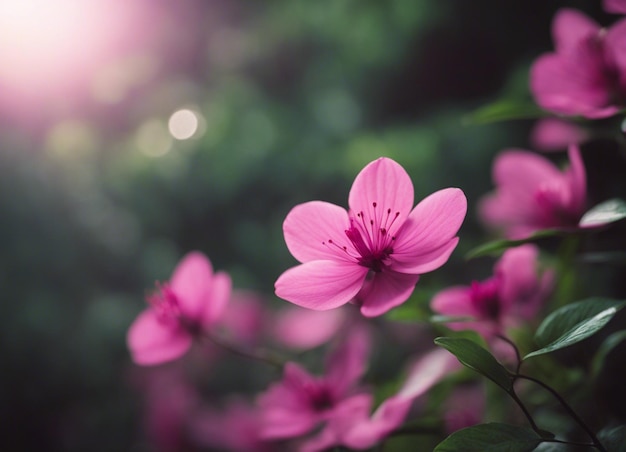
[[514, 294], [300, 328], [374, 253], [586, 75], [186, 307], [236, 428], [352, 424], [615, 6], [554, 134], [464, 407], [533, 194], [301, 402]]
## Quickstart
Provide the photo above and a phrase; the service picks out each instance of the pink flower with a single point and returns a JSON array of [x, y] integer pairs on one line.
[[554, 134], [514, 294], [615, 6], [178, 311], [353, 426], [533, 194], [235, 428], [587, 73], [374, 253], [301, 402], [300, 328], [464, 407]]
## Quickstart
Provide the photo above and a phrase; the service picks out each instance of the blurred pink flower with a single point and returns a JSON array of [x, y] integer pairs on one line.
[[353, 426], [243, 318], [515, 293], [464, 407], [169, 399], [554, 134], [300, 328], [235, 428], [533, 194], [615, 6], [178, 311], [301, 402], [373, 254], [587, 73]]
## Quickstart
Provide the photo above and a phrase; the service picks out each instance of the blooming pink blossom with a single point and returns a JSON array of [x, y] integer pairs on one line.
[[533, 194], [352, 424], [178, 311], [586, 75], [615, 6], [374, 253], [515, 293], [300, 402]]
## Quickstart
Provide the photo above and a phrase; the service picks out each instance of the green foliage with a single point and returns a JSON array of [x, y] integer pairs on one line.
[[614, 438], [497, 246], [604, 213], [492, 437], [573, 323], [477, 358], [504, 110]]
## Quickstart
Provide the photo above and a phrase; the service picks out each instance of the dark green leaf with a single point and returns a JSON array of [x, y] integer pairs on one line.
[[477, 358], [604, 213], [613, 439], [503, 110], [573, 323], [492, 437], [609, 344], [498, 245]]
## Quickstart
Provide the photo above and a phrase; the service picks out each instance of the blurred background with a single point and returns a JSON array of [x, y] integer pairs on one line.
[[134, 131]]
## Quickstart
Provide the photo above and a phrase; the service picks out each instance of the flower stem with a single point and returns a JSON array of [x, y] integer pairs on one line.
[[261, 355], [570, 411]]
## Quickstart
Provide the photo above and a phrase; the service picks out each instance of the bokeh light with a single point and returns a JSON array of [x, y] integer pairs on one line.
[[183, 124]]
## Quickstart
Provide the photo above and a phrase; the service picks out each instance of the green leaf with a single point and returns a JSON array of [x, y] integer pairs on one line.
[[603, 351], [492, 437], [604, 213], [503, 110], [613, 439], [498, 245], [477, 358], [573, 323]]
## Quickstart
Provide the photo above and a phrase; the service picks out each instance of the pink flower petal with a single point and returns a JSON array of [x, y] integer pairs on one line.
[[455, 301], [616, 47], [428, 236], [321, 284], [284, 412], [152, 342], [569, 27], [308, 228], [302, 328], [383, 184], [191, 282], [218, 296], [385, 291], [615, 6], [348, 363], [577, 180], [570, 86], [424, 373], [553, 134]]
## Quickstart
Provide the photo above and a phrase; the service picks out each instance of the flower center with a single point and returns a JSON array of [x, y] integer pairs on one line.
[[165, 303], [371, 238], [320, 396], [484, 296]]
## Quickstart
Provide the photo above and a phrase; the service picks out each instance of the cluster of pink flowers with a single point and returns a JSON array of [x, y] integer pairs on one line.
[[372, 256]]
